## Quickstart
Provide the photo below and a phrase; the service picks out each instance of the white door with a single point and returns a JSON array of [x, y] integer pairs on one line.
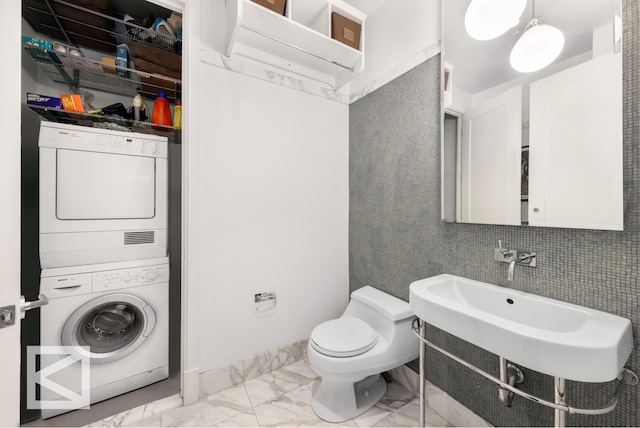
[[10, 214], [490, 160], [575, 175]]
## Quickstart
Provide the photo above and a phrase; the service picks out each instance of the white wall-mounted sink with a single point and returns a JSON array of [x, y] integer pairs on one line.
[[549, 336]]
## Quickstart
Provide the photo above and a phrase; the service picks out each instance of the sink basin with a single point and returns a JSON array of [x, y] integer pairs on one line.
[[549, 336]]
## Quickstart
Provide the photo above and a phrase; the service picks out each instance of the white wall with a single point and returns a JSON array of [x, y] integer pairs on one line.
[[273, 214], [10, 216], [415, 23]]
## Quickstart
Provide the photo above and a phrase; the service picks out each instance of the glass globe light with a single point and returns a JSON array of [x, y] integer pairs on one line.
[[488, 19], [538, 47]]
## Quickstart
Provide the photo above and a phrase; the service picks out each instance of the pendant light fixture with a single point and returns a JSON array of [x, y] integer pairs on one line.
[[538, 46], [488, 19]]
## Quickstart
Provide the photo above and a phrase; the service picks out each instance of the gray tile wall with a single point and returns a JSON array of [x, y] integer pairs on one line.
[[396, 237]]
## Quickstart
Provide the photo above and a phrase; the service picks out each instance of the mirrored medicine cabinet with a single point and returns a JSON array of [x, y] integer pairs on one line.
[[541, 148]]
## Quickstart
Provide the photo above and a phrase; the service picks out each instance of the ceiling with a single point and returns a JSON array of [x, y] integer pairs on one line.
[[480, 65], [366, 6]]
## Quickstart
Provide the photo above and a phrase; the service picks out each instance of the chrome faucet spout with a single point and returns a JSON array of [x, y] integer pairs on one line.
[[512, 266]]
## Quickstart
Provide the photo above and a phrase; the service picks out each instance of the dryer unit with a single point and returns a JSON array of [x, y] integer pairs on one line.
[[103, 195], [112, 320]]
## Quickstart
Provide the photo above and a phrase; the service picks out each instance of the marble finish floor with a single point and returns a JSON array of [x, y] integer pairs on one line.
[[279, 398]]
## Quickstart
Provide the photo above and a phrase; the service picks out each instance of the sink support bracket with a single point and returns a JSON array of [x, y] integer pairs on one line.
[[512, 375], [626, 377], [559, 416], [423, 349]]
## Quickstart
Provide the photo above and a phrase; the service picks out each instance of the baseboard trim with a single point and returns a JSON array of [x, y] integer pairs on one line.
[[217, 380]]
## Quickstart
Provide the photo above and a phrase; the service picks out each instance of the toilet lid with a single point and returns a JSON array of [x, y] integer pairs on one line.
[[343, 337]]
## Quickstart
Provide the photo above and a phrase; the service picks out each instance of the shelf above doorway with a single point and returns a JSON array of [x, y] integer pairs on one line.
[[298, 41]]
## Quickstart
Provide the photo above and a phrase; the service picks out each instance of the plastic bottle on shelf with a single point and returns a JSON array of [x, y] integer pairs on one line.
[[177, 114], [161, 111], [137, 106]]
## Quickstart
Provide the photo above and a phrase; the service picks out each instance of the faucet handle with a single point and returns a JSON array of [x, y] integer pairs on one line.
[[504, 254], [503, 251], [528, 259], [525, 256]]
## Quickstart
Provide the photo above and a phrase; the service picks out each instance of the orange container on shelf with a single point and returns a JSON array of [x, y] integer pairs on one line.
[[71, 102], [161, 112]]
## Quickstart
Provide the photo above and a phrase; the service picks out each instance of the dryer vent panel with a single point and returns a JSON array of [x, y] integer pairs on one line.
[[134, 238]]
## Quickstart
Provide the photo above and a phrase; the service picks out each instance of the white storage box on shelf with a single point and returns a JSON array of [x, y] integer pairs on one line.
[[298, 41]]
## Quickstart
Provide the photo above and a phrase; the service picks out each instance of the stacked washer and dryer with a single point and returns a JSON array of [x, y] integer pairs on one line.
[[103, 253]]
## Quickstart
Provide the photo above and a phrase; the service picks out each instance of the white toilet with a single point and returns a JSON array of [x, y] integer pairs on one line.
[[349, 353]]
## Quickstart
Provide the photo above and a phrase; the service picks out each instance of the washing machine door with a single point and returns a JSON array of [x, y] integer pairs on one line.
[[108, 328]]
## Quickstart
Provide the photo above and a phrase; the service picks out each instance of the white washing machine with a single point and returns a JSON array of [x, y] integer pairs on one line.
[[113, 317]]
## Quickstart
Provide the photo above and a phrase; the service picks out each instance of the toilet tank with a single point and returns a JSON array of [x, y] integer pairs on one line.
[[387, 305], [387, 315]]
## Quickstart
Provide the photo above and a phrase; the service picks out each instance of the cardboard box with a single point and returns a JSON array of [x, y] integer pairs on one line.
[[122, 60], [109, 65], [37, 42], [345, 30], [71, 102], [43, 101], [156, 83], [275, 5]]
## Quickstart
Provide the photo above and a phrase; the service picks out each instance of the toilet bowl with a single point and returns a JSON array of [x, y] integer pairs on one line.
[[350, 353]]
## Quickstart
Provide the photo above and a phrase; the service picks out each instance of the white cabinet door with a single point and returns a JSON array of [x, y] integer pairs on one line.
[[490, 164], [10, 216], [575, 172]]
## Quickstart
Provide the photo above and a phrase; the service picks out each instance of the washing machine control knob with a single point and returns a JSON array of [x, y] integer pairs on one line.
[[153, 275]]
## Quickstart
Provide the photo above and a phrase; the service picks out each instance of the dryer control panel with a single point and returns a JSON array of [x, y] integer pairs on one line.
[[64, 136], [127, 145]]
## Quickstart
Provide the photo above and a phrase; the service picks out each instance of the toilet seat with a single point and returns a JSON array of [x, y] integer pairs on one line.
[[343, 337]]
